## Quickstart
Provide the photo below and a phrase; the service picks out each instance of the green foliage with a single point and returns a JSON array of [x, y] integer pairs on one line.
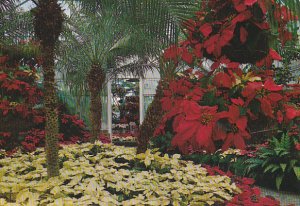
[[288, 71], [163, 142], [277, 161], [227, 162]]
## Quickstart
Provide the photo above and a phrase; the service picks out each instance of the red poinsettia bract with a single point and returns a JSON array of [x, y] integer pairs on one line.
[[195, 126], [238, 128]]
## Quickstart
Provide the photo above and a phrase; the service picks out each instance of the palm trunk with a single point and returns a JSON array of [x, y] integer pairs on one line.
[[48, 26], [51, 111], [96, 79], [152, 119]]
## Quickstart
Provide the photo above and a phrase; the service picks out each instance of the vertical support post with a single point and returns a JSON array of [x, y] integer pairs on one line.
[[141, 100], [109, 109]]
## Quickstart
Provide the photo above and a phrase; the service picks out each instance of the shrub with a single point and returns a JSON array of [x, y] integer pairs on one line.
[[22, 116], [19, 97], [278, 161]]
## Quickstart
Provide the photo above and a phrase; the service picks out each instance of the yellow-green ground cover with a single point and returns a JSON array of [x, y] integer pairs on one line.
[[104, 174]]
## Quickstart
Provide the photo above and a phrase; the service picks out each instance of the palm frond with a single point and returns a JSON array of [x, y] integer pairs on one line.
[[6, 5], [161, 20], [91, 39], [133, 65], [16, 26]]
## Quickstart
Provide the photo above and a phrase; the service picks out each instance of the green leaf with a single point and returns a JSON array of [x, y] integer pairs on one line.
[[297, 172], [293, 162], [279, 181], [283, 166], [269, 168], [265, 162], [276, 167]]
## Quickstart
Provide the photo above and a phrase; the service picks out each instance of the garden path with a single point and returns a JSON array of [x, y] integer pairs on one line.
[[286, 198]]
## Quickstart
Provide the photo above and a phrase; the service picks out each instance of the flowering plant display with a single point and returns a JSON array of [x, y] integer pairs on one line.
[[225, 106], [123, 137], [103, 174], [232, 32], [22, 116], [19, 98], [205, 111]]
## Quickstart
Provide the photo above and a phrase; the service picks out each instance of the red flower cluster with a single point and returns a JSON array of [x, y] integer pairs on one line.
[[221, 106], [19, 95], [72, 118], [249, 196], [203, 114], [225, 32], [19, 92], [297, 146]]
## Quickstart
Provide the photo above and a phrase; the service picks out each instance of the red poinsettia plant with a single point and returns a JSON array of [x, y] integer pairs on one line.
[[22, 116], [221, 108], [203, 112], [232, 32], [250, 195], [19, 94]]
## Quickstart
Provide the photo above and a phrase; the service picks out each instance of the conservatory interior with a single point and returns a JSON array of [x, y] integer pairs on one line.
[[147, 102]]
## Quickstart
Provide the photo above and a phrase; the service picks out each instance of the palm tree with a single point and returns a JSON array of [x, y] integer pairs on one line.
[[157, 33], [92, 44], [48, 23]]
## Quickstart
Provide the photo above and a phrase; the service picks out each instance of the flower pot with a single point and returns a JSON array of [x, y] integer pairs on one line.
[[3, 59]]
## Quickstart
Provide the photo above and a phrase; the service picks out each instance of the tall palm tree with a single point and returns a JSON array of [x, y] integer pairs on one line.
[[93, 42], [48, 23], [157, 33]]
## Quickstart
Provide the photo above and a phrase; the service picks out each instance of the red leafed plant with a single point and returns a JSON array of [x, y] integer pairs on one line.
[[249, 195], [19, 95], [22, 116], [206, 116], [227, 105], [232, 32]]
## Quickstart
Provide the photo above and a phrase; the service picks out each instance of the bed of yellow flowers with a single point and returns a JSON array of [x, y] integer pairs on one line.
[[104, 174]]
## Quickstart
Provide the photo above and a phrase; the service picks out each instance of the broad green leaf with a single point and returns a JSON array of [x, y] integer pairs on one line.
[[297, 172], [75, 180], [279, 181], [33, 199], [2, 172], [293, 162], [269, 167], [283, 166]]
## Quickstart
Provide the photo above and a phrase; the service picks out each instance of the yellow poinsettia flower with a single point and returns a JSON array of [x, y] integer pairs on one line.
[[90, 175], [249, 77]]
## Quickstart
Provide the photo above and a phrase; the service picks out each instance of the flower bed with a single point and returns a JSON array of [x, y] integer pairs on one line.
[[124, 139], [22, 118], [103, 174]]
